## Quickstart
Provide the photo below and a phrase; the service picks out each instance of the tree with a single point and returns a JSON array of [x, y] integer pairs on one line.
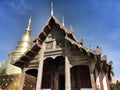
[[115, 86]]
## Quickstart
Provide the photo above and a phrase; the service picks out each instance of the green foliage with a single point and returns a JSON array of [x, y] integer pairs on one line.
[[115, 86]]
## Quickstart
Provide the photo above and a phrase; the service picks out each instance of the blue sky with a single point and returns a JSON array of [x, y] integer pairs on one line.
[[96, 21]]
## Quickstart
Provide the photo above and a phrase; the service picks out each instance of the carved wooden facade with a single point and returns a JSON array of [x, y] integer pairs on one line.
[[58, 61]]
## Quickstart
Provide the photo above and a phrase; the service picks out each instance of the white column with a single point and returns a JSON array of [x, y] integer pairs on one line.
[[104, 81], [67, 74], [97, 79], [40, 69], [91, 68], [92, 81]]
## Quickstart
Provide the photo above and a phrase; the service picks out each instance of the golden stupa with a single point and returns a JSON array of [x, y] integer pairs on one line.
[[10, 75], [22, 46]]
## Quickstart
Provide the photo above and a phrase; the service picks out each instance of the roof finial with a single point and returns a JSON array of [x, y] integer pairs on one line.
[[63, 20], [51, 8], [29, 23], [71, 27], [70, 30]]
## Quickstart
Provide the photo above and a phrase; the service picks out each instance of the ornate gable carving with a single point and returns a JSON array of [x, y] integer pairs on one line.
[[55, 39]]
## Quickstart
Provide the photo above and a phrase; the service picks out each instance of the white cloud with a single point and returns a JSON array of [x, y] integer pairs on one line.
[[21, 6]]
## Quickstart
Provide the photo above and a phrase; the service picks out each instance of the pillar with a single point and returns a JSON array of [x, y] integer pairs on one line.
[[97, 79], [22, 80], [92, 80], [67, 75], [55, 80], [100, 78], [104, 80], [52, 77], [107, 80], [40, 69], [92, 68]]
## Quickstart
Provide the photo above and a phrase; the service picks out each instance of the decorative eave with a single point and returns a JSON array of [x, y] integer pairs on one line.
[[110, 63], [27, 56], [103, 65], [47, 27], [86, 49]]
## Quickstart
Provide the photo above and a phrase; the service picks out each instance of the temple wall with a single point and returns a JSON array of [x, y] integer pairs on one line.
[[10, 82], [29, 82]]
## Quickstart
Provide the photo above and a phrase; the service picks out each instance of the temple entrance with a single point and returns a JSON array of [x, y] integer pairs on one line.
[[61, 82], [80, 77], [53, 77]]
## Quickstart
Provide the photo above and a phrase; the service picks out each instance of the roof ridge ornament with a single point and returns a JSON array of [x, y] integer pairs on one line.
[[110, 63], [63, 20], [104, 58], [71, 26], [70, 31], [29, 23], [81, 41], [51, 9], [98, 50]]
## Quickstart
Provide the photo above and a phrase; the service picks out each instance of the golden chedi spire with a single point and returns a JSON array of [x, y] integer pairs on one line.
[[23, 44], [29, 23]]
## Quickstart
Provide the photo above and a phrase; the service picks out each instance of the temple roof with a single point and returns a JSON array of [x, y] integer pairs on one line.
[[38, 40]]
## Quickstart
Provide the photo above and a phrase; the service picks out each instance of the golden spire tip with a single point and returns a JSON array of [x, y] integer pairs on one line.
[[29, 23]]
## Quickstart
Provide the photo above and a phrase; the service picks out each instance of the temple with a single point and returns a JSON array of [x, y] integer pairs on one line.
[[58, 61]]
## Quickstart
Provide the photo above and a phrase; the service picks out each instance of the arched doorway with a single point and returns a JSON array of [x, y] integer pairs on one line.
[[53, 77], [80, 77], [30, 79]]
